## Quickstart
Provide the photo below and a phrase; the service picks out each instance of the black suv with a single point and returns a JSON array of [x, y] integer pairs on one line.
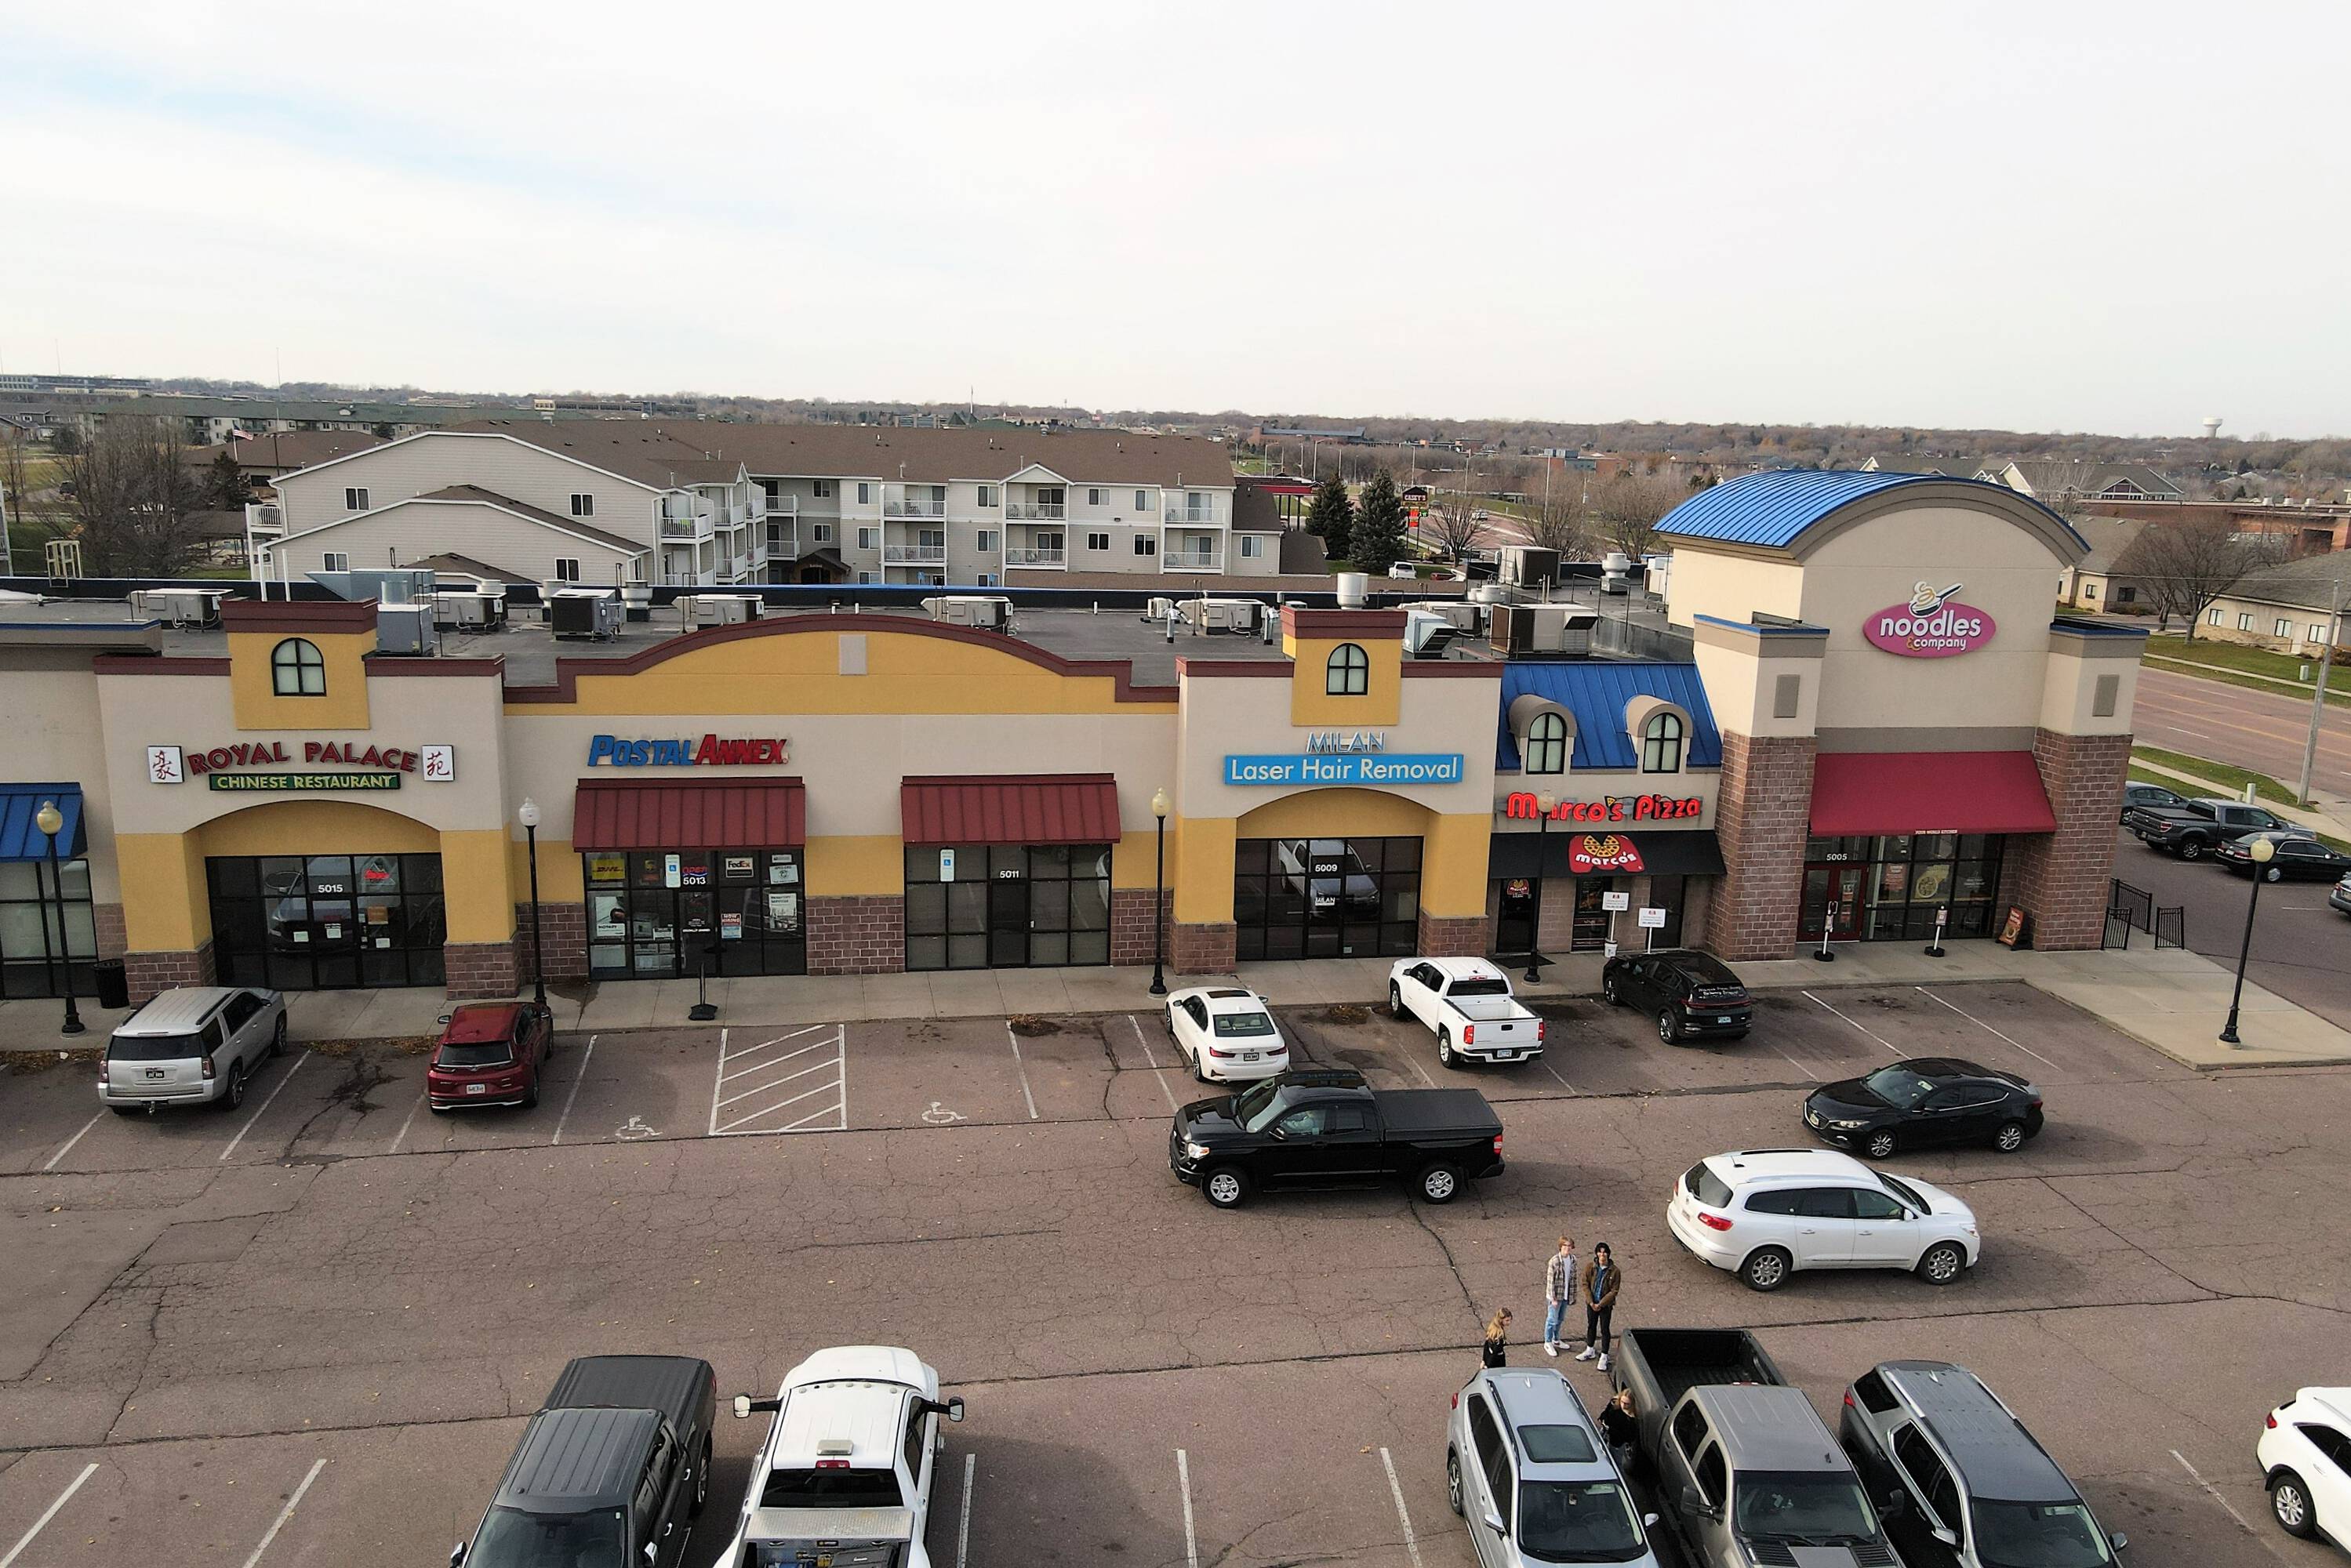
[[1691, 994]]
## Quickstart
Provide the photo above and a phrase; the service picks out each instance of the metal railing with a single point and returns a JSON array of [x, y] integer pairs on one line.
[[1205, 517], [265, 519], [1036, 511], [913, 509], [779, 506], [2130, 908], [1192, 560], [685, 527], [914, 555], [1016, 556]]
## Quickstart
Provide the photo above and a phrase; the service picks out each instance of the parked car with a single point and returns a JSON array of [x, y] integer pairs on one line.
[[1764, 1214], [1468, 1002], [1744, 1467], [2149, 795], [2340, 897], [1525, 1466], [849, 1462], [1961, 1483], [2305, 1455], [489, 1053], [2295, 857], [1926, 1100], [1326, 1128], [198, 1045], [1227, 1033], [608, 1474], [2193, 828], [1690, 994]]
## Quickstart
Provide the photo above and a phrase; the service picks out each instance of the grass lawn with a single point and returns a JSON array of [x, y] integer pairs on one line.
[[2225, 659]]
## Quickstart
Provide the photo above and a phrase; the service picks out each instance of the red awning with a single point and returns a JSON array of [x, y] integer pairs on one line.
[[1018, 808], [1868, 794], [688, 814]]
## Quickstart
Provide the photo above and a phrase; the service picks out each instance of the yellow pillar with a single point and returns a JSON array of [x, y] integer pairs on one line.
[[1202, 869], [166, 905], [477, 886], [1452, 864]]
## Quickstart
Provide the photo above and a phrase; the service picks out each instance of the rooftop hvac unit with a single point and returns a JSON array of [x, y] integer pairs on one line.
[[178, 607], [1222, 614], [991, 610], [1532, 631], [577, 613], [1353, 587], [1513, 630], [718, 609], [1428, 635], [406, 629], [469, 609], [1466, 615], [1528, 566]]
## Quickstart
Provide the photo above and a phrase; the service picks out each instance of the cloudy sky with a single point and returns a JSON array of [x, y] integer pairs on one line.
[[2071, 216]]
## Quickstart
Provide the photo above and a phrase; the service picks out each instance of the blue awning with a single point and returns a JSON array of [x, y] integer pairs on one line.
[[21, 838]]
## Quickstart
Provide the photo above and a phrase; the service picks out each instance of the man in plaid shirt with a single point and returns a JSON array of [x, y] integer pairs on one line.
[[1558, 1291]]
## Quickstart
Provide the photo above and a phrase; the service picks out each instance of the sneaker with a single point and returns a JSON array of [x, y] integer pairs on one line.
[[1550, 1349], [1603, 1361], [1586, 1353]]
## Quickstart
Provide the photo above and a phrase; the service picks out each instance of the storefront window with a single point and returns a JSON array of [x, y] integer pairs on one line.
[[668, 914], [1326, 898], [31, 963], [1007, 906], [1888, 888], [316, 923]]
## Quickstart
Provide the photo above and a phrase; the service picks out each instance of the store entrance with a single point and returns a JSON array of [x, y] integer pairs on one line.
[[324, 922], [1888, 888], [1325, 898], [1007, 906], [1518, 915], [1590, 932], [658, 915]]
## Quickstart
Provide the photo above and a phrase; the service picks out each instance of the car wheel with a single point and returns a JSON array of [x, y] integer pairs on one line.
[[1439, 1184], [530, 1098], [1199, 1067], [1943, 1262], [1880, 1144], [277, 1038], [1766, 1269], [1453, 1481], [1608, 992], [2276, 874], [2290, 1503], [1666, 1031], [1445, 1048], [234, 1095], [702, 1480], [2192, 849], [1226, 1187], [1395, 1000], [2008, 1137]]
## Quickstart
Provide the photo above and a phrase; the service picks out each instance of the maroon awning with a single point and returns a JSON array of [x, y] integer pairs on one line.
[[1017, 809], [688, 814], [1866, 794]]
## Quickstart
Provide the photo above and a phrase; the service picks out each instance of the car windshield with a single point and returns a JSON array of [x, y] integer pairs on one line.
[[154, 1047], [1709, 1188], [1577, 1521], [1237, 1026], [1480, 985], [1791, 1505], [831, 1489], [1905, 1192], [1262, 1106], [2036, 1536], [510, 1537], [484, 1054], [1899, 1087]]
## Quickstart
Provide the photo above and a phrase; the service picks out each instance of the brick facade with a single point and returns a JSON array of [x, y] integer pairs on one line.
[[1130, 924], [106, 920], [478, 970], [1452, 936], [148, 973], [862, 935], [1762, 819], [1206, 948], [563, 932], [2060, 878]]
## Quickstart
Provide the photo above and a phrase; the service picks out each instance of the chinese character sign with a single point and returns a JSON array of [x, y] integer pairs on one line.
[[165, 765], [438, 763]]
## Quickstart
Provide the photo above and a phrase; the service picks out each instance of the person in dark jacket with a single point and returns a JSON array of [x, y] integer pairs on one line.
[[1497, 1338], [1601, 1278], [1620, 1423]]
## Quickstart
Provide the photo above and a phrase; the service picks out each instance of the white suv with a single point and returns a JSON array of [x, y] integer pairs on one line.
[[2305, 1454], [1765, 1213]]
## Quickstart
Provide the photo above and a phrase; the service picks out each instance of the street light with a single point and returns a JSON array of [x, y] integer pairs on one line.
[[528, 816], [52, 821], [1160, 806], [2260, 851], [1543, 804]]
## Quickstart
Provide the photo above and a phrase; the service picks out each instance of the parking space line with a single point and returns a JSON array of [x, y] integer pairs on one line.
[[286, 1512], [586, 1057], [1797, 1065], [1023, 1068], [1133, 1023], [1411, 1546], [51, 1512], [1413, 1062], [1554, 1071], [409, 1121], [51, 1163], [1191, 1540], [779, 1105], [1872, 1033], [2175, 1454], [832, 1117], [1981, 1024], [266, 1104], [962, 1526]]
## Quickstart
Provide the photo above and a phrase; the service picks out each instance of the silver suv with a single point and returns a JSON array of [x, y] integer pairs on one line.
[[200, 1045], [1526, 1466]]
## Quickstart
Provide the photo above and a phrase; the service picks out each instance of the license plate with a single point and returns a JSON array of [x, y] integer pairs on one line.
[[1506, 1056], [155, 1072], [477, 1089], [1248, 1056], [1725, 1019]]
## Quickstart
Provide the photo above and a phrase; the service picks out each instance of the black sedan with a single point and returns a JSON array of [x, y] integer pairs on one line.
[[1689, 993], [2295, 857], [1927, 1099]]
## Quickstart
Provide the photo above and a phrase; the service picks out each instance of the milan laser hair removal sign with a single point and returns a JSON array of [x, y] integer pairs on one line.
[[1933, 625]]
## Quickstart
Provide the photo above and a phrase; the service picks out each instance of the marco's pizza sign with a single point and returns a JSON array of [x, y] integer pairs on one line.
[[1523, 805]]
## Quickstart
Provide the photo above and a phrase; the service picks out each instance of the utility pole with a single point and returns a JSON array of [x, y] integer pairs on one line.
[[2318, 698]]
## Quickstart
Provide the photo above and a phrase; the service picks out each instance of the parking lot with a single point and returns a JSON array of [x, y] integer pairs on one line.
[[309, 1331]]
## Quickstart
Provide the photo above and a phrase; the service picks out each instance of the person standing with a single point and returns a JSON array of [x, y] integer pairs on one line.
[[1560, 1284], [1497, 1339], [1601, 1278]]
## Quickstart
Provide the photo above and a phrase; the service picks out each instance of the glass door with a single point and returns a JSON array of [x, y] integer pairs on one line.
[[1519, 915], [1008, 918], [1589, 933]]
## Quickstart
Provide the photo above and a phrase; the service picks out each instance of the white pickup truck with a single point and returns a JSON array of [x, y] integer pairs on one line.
[[1468, 1002]]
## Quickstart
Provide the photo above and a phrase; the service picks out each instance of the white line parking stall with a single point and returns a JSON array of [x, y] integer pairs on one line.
[[795, 1081]]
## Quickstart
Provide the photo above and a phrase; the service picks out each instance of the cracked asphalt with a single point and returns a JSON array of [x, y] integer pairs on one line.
[[200, 1309]]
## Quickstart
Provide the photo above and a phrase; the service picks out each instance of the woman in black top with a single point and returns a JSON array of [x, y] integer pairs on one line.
[[1498, 1336], [1618, 1420]]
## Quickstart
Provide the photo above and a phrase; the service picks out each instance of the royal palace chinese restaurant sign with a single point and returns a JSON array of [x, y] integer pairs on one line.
[[250, 766]]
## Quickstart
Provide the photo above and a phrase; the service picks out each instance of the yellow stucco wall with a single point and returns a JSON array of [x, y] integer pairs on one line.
[[165, 905], [844, 866], [344, 704], [1311, 702]]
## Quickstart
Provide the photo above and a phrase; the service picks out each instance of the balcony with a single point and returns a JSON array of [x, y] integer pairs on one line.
[[1183, 516], [1035, 511], [766, 506], [1191, 559], [264, 520], [783, 544], [1015, 555], [913, 509], [914, 555], [681, 530]]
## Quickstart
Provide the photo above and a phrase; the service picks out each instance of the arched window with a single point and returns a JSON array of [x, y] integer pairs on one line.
[[1661, 744], [1348, 673], [297, 669], [1546, 744]]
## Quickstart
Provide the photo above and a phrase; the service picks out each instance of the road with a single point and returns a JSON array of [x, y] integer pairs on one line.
[[2253, 729], [2302, 949], [310, 1332]]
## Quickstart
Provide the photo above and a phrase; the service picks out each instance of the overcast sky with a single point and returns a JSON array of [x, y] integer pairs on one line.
[[2114, 217]]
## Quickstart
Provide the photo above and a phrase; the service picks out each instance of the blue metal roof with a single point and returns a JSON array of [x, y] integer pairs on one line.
[[21, 838], [1596, 693], [1771, 509]]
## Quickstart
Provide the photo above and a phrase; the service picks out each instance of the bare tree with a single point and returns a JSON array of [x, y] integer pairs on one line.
[[2185, 566], [1628, 509], [134, 497], [1450, 532], [1561, 521]]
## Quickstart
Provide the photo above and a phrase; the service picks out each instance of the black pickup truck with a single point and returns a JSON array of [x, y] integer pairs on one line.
[[2193, 828], [611, 1473], [1326, 1128]]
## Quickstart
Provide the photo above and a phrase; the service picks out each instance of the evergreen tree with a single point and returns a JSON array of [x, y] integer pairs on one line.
[[224, 487], [1332, 518], [1379, 541]]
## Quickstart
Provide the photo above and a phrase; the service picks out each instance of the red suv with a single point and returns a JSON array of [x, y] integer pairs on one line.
[[490, 1053]]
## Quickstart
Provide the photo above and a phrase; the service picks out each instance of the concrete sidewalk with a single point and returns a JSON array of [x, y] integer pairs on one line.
[[2173, 1001]]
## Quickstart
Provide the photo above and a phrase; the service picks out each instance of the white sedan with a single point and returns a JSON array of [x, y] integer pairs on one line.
[[1227, 1033]]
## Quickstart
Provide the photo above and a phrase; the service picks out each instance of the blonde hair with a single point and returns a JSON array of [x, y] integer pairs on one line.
[[1497, 1323]]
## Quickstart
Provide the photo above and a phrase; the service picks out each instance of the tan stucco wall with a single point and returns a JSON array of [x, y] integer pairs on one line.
[[1731, 587], [54, 737]]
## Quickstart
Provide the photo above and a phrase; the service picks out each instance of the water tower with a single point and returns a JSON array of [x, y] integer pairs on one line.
[[2211, 427]]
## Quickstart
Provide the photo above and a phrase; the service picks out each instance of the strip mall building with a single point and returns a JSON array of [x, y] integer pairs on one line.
[[1878, 722]]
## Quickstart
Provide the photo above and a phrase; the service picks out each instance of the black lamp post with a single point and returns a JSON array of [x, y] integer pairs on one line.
[[1543, 804], [528, 816], [52, 821], [2263, 852], [1160, 806]]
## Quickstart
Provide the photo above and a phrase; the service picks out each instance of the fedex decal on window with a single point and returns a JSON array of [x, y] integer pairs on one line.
[[710, 751]]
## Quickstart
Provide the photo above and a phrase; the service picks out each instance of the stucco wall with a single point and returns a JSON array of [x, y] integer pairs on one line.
[[441, 458]]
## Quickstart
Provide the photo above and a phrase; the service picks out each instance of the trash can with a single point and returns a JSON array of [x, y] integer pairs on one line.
[[111, 985]]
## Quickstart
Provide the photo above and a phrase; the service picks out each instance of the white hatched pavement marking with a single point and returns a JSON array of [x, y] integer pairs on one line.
[[1134, 1025], [586, 1057], [51, 1163], [266, 1104], [1982, 1025], [833, 1116], [1863, 1028], [1023, 1068], [47, 1514], [1411, 1546], [286, 1512]]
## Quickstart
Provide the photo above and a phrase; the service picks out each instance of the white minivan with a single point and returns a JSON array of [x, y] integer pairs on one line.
[[199, 1045], [1763, 1214]]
